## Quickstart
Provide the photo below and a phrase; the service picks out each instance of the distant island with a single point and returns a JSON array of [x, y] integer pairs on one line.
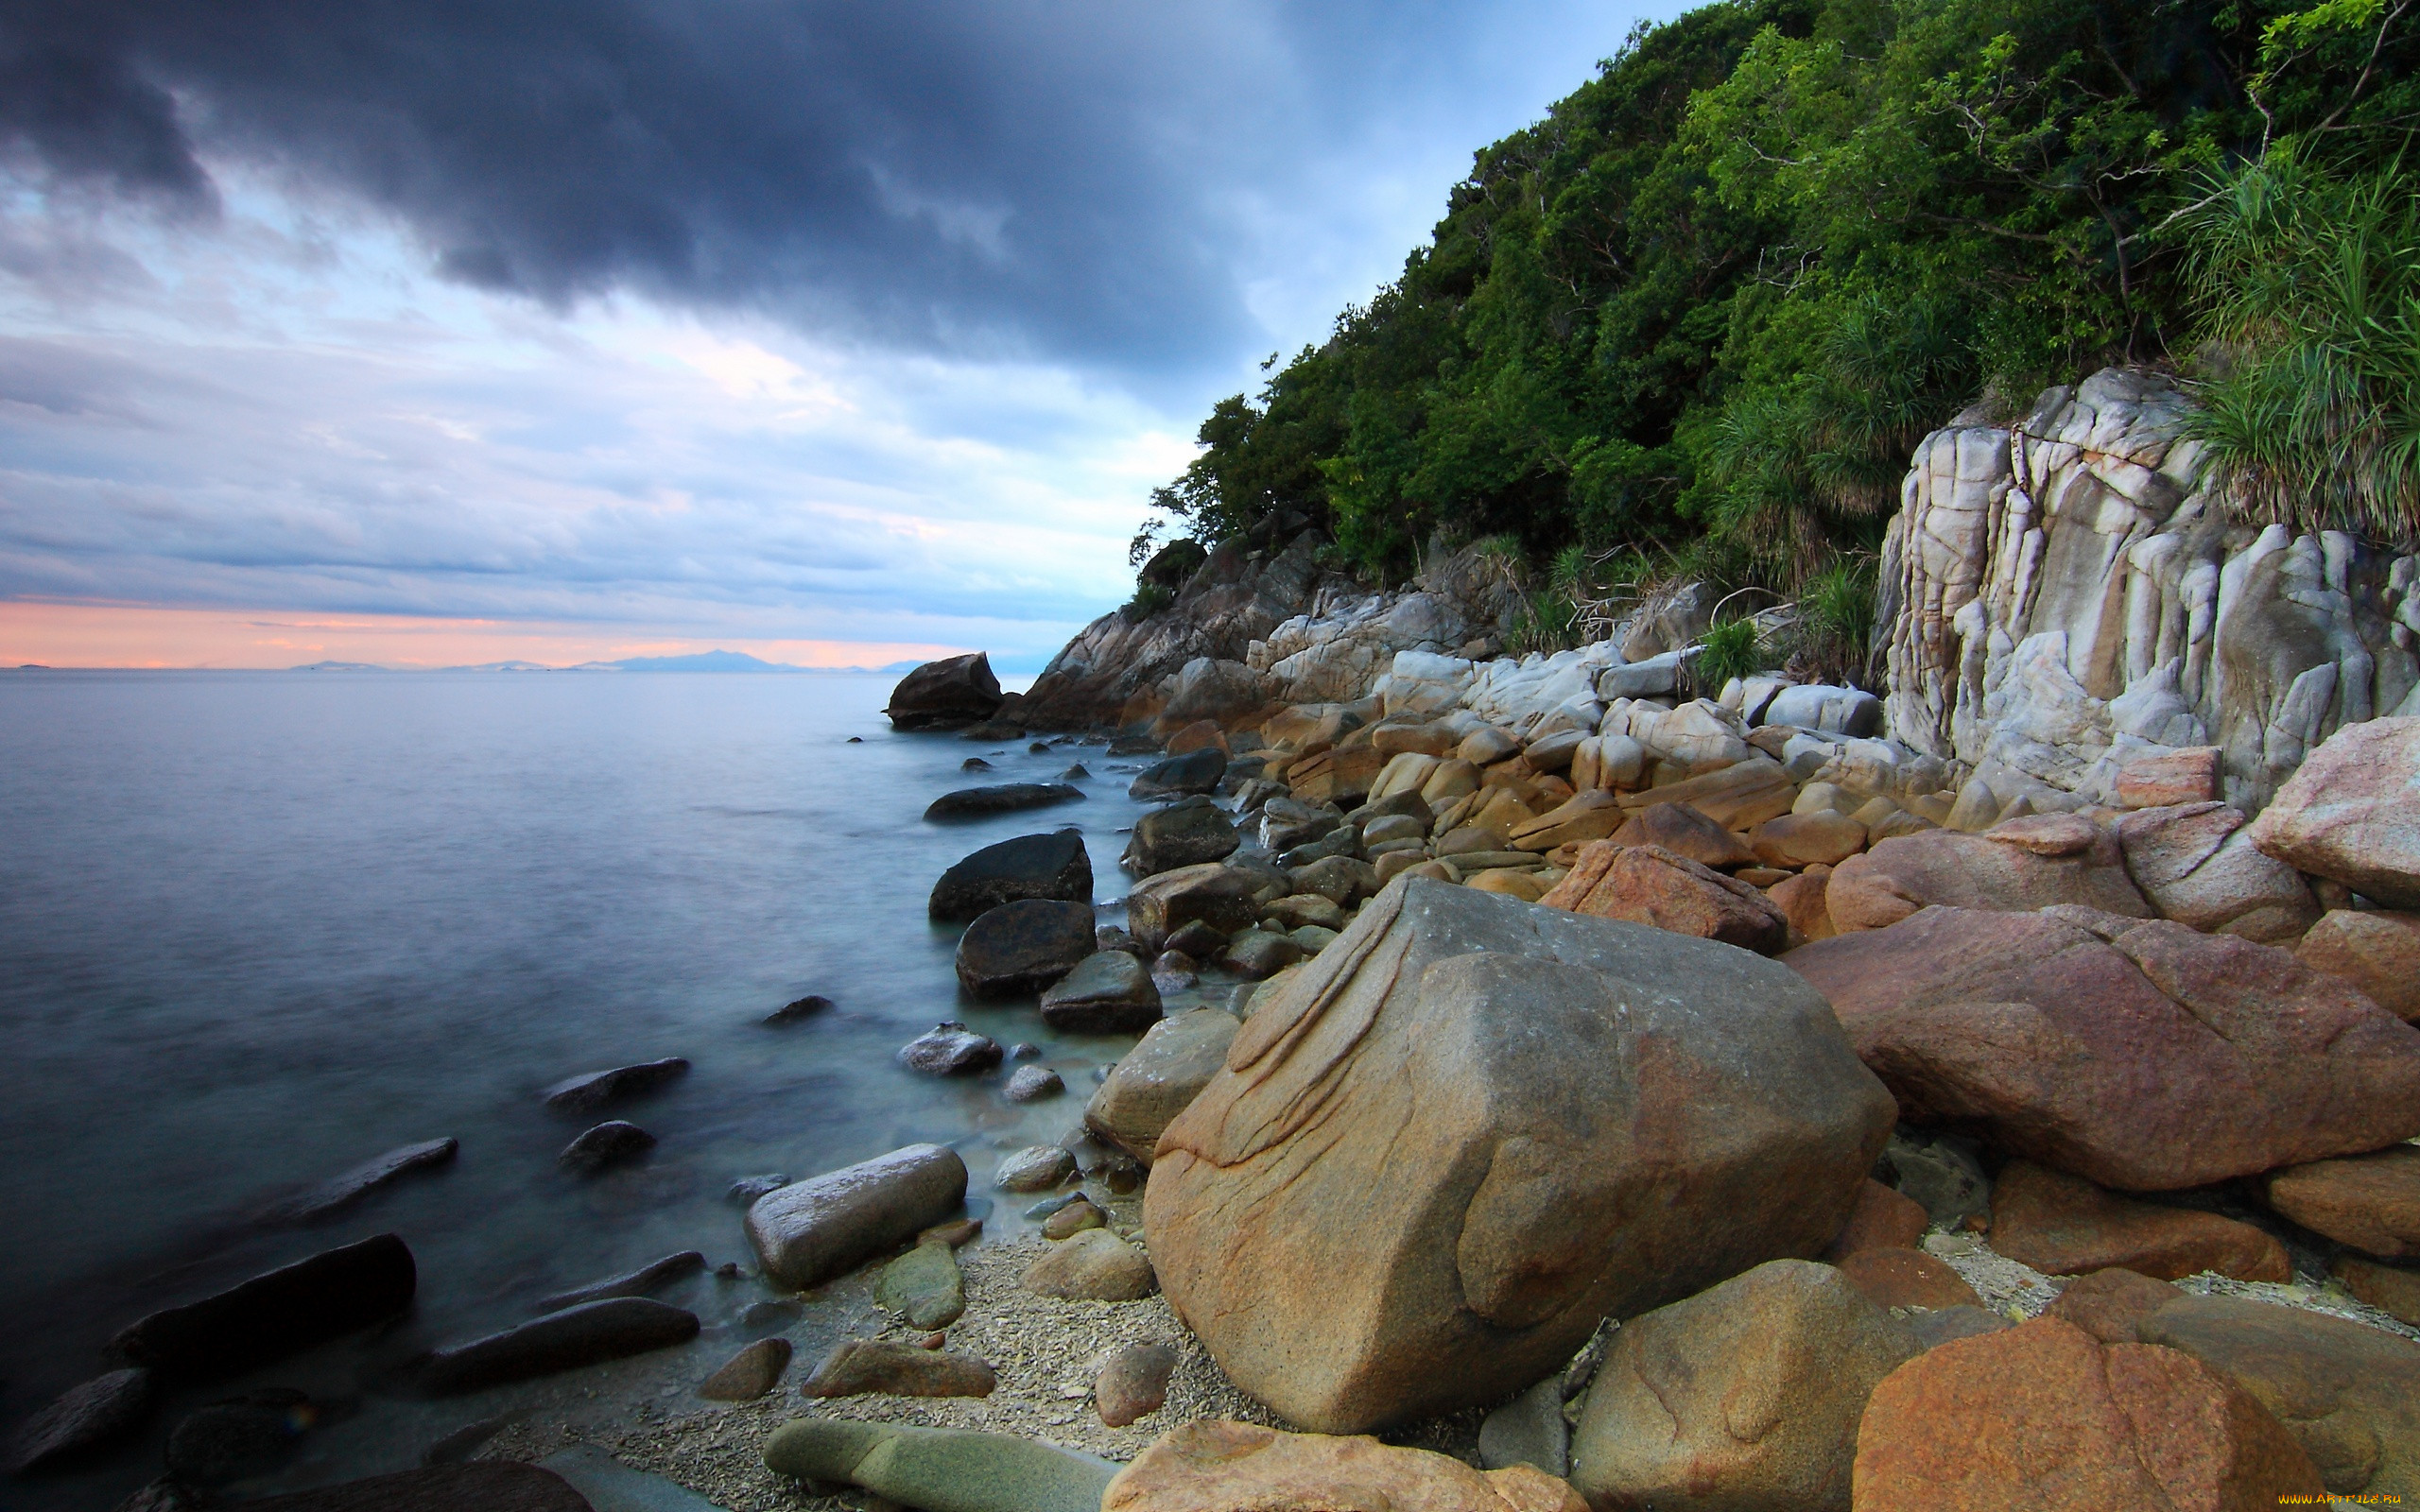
[[715, 661]]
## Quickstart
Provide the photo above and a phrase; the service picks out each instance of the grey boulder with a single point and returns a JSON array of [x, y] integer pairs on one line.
[[812, 1231], [592, 1089], [637, 1283], [608, 1144], [273, 1315], [1108, 992], [590, 1333], [1157, 1078], [1182, 834], [950, 1049], [1196, 771], [340, 1193], [1005, 798]]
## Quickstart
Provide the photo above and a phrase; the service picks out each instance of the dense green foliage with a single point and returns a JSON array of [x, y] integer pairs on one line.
[[1695, 318]]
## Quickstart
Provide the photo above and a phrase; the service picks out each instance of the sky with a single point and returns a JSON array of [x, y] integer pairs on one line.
[[441, 332]]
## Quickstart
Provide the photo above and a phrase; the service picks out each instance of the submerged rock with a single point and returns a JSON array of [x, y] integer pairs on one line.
[[338, 1193], [798, 1008], [273, 1315], [234, 1440], [637, 1283], [593, 1088], [83, 1419], [1034, 1083], [950, 1049], [1196, 771], [1004, 797], [589, 1334], [608, 1144]]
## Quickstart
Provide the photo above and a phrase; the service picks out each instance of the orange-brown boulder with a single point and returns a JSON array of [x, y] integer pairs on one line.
[[2062, 1224], [2392, 1289], [1196, 735], [2015, 867], [1685, 831], [2371, 1202], [1649, 885], [1801, 902], [2376, 950], [1883, 1219], [1821, 838], [2144, 1057], [1470, 1128], [2109, 1303], [1907, 1277], [1215, 1465], [2043, 1417], [2347, 814]]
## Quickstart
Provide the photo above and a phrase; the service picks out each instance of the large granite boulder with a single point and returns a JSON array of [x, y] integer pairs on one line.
[[1055, 866], [2045, 1418], [1214, 1465], [1182, 834], [2196, 864], [1745, 1396], [2348, 1393], [1207, 688], [809, 1231], [2015, 866], [1472, 1127], [1649, 885], [2352, 813], [945, 695], [1159, 1078], [1023, 946], [2144, 1057]]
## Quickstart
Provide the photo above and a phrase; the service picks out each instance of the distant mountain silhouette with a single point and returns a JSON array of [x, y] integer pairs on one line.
[[341, 666]]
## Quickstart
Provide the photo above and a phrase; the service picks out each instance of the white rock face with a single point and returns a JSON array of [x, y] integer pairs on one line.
[[2062, 594]]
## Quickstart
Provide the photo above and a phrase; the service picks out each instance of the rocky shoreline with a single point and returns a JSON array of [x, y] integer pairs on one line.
[[1635, 1093]]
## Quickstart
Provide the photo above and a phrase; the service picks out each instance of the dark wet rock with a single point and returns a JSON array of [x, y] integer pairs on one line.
[[925, 1285], [1006, 798], [84, 1419], [166, 1494], [950, 1049], [1134, 1383], [993, 729], [339, 1193], [235, 1440], [1255, 954], [1054, 866], [1025, 1050], [1042, 1210], [1197, 939], [1196, 771], [859, 1367], [975, 763], [855, 740], [808, 1232], [1174, 970], [945, 695], [273, 1315], [1076, 773], [1107, 993], [1134, 745], [1023, 946], [1115, 938], [608, 1144], [1034, 1083], [590, 1333], [631, 1283], [805, 1007], [459, 1446], [748, 1375], [1040, 747], [1182, 834], [593, 1089], [483, 1486], [1035, 1169], [749, 1188]]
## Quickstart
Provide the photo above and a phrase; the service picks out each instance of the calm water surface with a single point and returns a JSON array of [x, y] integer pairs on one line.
[[257, 927]]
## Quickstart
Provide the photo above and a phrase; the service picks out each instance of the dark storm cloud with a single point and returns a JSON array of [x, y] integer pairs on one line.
[[1044, 174]]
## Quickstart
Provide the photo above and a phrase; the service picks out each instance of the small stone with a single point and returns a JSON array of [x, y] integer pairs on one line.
[[751, 1373], [971, 802], [1075, 773], [950, 1049], [233, 1440], [1134, 1383], [932, 1341], [593, 1089], [1040, 747], [1073, 1219], [1092, 1267], [1256, 953], [1033, 1083], [1197, 939], [975, 763], [866, 1367], [797, 1009], [1025, 1050], [1047, 1205], [924, 1285], [778, 1314], [749, 1188], [1037, 1168], [1907, 1277], [2108, 1304], [957, 1233], [629, 1283], [83, 1419], [1529, 1430], [608, 1144]]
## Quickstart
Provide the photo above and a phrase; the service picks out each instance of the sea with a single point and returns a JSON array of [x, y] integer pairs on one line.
[[256, 928]]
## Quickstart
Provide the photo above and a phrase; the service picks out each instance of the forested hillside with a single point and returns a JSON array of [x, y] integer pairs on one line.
[[1694, 319]]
